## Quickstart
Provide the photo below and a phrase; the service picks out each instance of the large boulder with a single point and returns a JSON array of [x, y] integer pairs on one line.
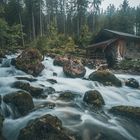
[[127, 111], [30, 62], [60, 60], [132, 83], [94, 98], [20, 100], [47, 127], [74, 69], [105, 77]]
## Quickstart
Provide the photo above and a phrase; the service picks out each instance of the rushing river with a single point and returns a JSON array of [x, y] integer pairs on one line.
[[75, 114]]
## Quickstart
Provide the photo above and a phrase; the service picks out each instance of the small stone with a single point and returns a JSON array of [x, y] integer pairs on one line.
[[50, 90], [67, 96], [52, 81]]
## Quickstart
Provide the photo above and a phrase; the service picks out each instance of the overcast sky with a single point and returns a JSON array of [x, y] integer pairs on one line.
[[132, 3]]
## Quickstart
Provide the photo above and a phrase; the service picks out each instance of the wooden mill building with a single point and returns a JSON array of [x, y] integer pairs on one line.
[[113, 45]]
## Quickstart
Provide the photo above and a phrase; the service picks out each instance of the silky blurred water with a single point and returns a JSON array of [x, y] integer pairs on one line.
[[75, 115]]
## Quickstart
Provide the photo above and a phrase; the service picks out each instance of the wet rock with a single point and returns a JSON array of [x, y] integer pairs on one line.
[[1, 125], [52, 81], [106, 78], [13, 61], [0, 99], [67, 96], [1, 60], [48, 105], [21, 100], [54, 74], [47, 127], [30, 62], [21, 85], [127, 111], [132, 83], [74, 69], [94, 98], [60, 60], [1, 122], [34, 91], [30, 79], [50, 90]]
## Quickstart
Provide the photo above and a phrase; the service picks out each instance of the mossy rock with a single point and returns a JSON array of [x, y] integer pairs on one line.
[[30, 62], [127, 111], [106, 78], [21, 85], [34, 91], [47, 127], [21, 100], [60, 60], [68, 96], [74, 69], [94, 98]]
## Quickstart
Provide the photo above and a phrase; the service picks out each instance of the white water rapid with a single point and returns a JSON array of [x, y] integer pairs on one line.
[[75, 114]]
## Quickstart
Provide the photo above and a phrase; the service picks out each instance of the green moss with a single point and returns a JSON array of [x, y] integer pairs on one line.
[[106, 78], [127, 111], [94, 98], [68, 96]]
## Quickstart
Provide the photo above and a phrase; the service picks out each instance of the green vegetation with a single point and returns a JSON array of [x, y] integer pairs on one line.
[[61, 26], [132, 65]]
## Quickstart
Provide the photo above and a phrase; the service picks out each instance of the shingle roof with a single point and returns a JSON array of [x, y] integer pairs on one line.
[[122, 34], [102, 44]]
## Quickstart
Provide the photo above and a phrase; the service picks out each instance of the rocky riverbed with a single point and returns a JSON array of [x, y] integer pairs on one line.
[[63, 100]]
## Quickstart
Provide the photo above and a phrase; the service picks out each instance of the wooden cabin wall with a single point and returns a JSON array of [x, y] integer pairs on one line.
[[133, 50], [121, 48]]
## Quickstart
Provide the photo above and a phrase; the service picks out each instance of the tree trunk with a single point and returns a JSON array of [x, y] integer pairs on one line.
[[33, 25], [41, 33], [64, 6], [21, 28]]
